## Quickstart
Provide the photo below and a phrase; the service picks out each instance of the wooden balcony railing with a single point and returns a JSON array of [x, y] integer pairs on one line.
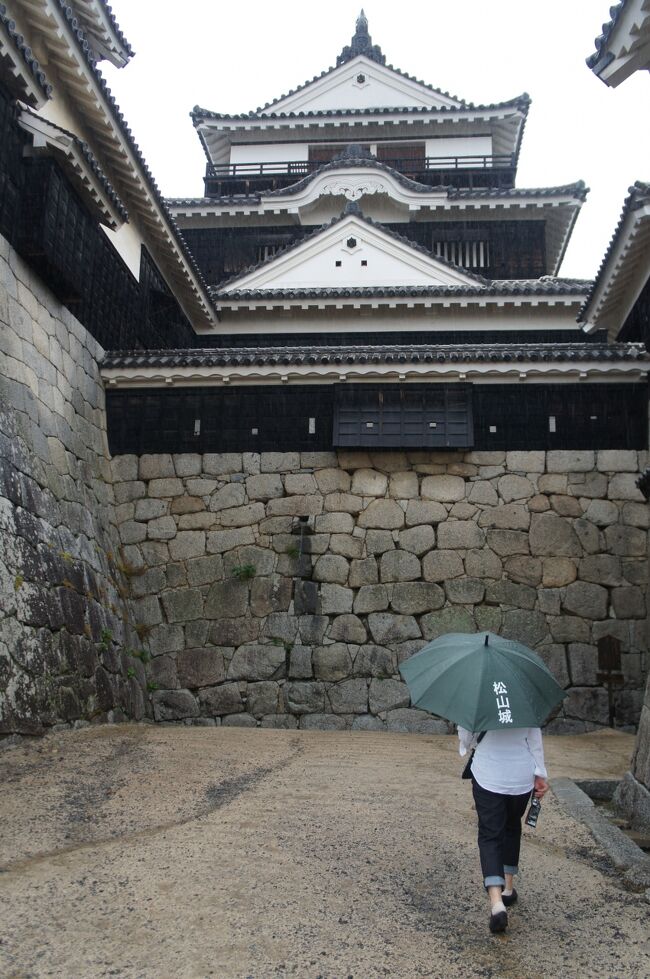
[[460, 171]]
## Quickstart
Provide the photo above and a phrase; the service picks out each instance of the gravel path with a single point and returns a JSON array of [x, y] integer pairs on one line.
[[153, 852]]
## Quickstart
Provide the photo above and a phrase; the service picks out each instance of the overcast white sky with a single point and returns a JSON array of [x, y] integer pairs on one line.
[[234, 57]]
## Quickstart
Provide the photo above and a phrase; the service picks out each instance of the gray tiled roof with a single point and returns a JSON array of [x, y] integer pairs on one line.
[[379, 353], [603, 38], [116, 28], [25, 52], [638, 196], [547, 286], [579, 190], [521, 102]]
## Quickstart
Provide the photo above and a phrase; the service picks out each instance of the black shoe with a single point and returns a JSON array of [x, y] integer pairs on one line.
[[509, 899], [498, 922]]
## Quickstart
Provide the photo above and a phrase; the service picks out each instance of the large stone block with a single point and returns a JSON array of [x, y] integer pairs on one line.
[[588, 485], [224, 699], [271, 594], [522, 569], [300, 665], [343, 503], [552, 483], [569, 628], [443, 489], [187, 464], [335, 599], [483, 563], [334, 523], [386, 628], [623, 486], [304, 697], [617, 460], [205, 570], [451, 619], [628, 603], [386, 695], [182, 605], [632, 514], [508, 542], [300, 484], [263, 698], [333, 481], [363, 572], [601, 569], [399, 566], [553, 536], [403, 485], [515, 488], [258, 663], [588, 704], [424, 512], [510, 516], [173, 705], [220, 541], [586, 600], [165, 487], [278, 462], [571, 460], [234, 632], [415, 597], [465, 591], [333, 662], [243, 516], [558, 571], [187, 544], [222, 463], [382, 514], [602, 513], [372, 660], [459, 534], [566, 506], [626, 541], [345, 544], [526, 462], [332, 568], [554, 655], [583, 664], [151, 509], [227, 599], [407, 720], [371, 598], [441, 565], [348, 628], [528, 627], [418, 540], [266, 486], [348, 696], [157, 466], [312, 628], [483, 492], [200, 667], [324, 722], [510, 593], [369, 482]]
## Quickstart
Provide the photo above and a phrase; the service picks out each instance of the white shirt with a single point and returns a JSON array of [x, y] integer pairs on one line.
[[506, 761]]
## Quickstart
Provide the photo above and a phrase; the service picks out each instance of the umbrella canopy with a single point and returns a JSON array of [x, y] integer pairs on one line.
[[482, 682]]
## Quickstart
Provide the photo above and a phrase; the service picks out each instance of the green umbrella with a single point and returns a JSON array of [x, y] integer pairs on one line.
[[482, 682]]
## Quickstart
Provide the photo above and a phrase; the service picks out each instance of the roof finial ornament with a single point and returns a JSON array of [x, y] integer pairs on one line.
[[361, 43]]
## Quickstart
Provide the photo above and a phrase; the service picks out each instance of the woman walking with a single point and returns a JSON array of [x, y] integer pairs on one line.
[[507, 766]]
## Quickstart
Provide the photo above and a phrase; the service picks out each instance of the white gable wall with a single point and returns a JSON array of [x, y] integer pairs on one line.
[[269, 152], [381, 87], [459, 146]]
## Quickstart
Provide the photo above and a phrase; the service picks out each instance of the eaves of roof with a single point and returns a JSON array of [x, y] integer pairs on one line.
[[638, 196], [578, 190], [547, 286], [92, 162], [378, 353], [25, 52], [521, 103], [110, 16]]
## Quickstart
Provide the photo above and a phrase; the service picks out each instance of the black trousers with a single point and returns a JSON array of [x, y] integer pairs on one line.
[[499, 832]]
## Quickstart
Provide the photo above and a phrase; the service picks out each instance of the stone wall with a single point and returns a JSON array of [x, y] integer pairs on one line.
[[283, 589], [68, 649]]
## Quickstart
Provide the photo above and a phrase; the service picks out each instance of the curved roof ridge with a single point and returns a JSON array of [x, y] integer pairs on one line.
[[607, 28]]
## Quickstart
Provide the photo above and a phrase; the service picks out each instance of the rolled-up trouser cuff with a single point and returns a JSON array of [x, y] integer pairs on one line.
[[495, 881], [510, 870]]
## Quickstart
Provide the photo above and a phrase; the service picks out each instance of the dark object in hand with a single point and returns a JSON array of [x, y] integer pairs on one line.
[[533, 813]]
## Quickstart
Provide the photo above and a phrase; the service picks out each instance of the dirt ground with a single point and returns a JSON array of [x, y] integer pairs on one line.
[[151, 852]]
